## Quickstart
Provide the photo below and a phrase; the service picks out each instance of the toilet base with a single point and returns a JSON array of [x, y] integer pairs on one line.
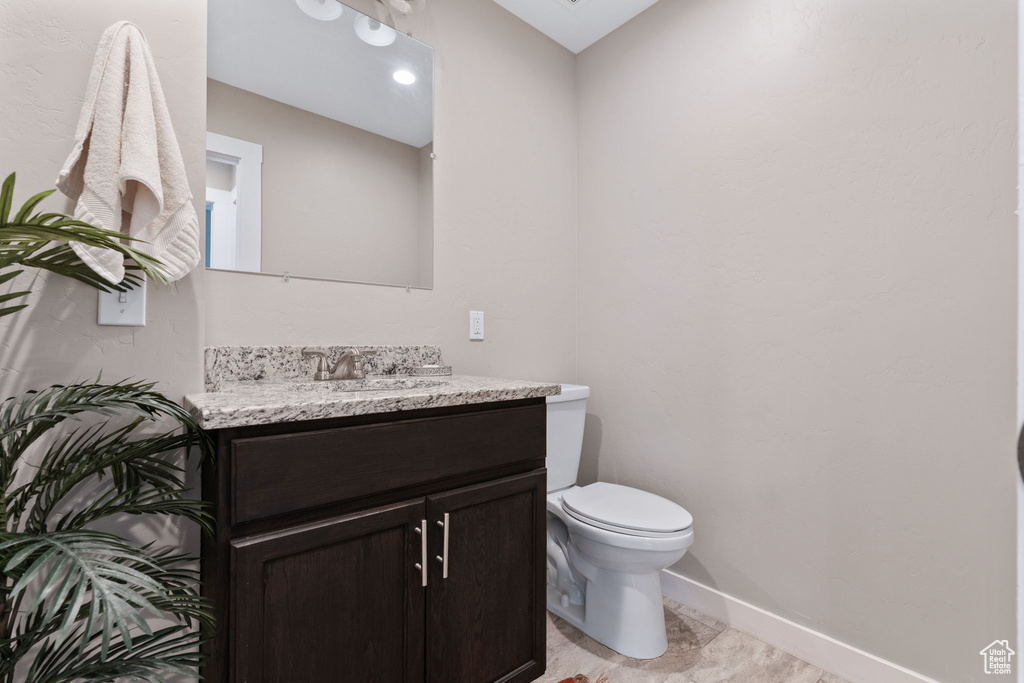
[[625, 612]]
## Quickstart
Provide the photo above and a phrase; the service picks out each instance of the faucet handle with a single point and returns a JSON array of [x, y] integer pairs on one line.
[[357, 362], [321, 367]]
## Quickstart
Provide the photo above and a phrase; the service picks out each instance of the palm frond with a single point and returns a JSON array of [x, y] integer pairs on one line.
[[43, 240], [141, 474], [75, 601], [178, 575], [170, 650], [6, 198], [79, 568], [134, 502], [7, 277], [63, 260], [25, 418]]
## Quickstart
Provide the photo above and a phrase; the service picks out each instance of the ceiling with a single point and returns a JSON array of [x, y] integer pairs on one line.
[[274, 49], [576, 24]]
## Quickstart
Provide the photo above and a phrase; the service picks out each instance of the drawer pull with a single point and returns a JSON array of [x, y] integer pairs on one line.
[[443, 557], [422, 564]]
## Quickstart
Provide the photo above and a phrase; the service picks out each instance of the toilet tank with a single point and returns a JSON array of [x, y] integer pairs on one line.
[[567, 414]]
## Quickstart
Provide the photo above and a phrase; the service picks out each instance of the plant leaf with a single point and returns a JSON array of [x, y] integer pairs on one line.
[[44, 241], [31, 204], [5, 277], [170, 650], [11, 309], [80, 598], [6, 198], [101, 564], [12, 295]]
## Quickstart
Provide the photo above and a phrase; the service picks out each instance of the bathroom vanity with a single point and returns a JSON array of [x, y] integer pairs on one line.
[[385, 535]]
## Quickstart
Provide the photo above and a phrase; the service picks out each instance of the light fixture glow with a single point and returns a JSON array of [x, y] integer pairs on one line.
[[373, 32], [324, 10], [405, 77]]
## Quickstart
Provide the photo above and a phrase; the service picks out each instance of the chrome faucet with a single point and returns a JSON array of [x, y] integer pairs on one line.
[[349, 365]]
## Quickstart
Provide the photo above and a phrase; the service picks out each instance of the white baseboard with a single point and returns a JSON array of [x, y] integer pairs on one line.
[[816, 648]]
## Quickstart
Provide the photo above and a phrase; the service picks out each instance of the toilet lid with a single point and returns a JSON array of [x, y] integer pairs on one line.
[[626, 508]]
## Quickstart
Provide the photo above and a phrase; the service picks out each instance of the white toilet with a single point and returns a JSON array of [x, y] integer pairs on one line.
[[607, 544]]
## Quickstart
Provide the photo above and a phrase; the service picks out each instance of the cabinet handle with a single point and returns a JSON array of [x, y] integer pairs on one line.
[[443, 557], [422, 564]]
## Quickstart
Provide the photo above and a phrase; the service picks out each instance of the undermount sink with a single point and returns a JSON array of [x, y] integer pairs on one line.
[[369, 384]]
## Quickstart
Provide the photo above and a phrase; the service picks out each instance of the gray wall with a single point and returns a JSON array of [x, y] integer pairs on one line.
[[46, 52], [797, 305], [46, 49], [504, 216], [505, 204], [796, 289], [506, 239]]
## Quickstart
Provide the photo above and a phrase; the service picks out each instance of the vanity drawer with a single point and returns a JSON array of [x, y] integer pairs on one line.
[[274, 475]]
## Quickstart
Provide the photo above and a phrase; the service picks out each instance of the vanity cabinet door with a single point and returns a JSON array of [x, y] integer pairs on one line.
[[336, 600], [485, 618]]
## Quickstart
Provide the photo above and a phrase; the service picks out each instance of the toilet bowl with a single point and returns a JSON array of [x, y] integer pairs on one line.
[[607, 543]]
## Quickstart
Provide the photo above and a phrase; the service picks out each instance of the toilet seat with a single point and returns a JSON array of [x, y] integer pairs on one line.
[[625, 510]]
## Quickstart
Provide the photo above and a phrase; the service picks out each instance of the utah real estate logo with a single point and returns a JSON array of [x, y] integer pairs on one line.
[[998, 657]]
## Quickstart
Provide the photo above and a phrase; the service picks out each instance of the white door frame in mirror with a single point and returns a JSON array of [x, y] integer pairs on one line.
[[244, 224]]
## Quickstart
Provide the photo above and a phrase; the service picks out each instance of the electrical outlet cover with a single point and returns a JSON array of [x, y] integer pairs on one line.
[[476, 325]]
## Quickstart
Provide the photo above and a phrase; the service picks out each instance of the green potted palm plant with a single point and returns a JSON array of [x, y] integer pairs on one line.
[[75, 601], [35, 239]]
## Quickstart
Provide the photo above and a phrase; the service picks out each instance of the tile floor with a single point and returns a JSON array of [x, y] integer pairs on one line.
[[700, 650]]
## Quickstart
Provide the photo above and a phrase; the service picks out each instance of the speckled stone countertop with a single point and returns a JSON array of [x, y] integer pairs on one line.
[[242, 404], [227, 364]]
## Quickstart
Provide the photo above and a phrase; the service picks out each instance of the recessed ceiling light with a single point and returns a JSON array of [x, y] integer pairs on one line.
[[324, 10], [405, 77], [373, 32]]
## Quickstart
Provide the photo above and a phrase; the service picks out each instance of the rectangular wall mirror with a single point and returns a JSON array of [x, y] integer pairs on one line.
[[320, 125]]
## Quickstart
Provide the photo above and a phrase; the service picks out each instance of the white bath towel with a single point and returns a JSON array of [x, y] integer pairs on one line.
[[125, 170]]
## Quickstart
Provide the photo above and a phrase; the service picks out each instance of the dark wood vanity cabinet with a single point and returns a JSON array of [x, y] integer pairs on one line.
[[331, 579], [485, 621], [331, 601]]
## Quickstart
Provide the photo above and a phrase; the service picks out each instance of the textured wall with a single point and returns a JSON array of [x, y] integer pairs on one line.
[[46, 49], [46, 52], [505, 199], [797, 305], [797, 266], [1020, 336]]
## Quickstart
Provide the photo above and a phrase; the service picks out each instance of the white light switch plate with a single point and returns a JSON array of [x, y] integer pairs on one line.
[[127, 309], [476, 324]]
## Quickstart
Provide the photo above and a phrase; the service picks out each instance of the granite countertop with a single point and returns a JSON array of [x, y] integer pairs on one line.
[[247, 403]]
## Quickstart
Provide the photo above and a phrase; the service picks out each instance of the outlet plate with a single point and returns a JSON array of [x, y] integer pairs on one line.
[[126, 309], [476, 325]]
